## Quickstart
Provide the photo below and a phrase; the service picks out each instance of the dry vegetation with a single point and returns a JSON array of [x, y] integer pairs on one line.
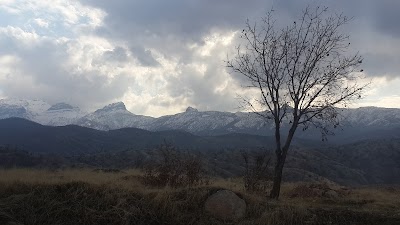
[[120, 197]]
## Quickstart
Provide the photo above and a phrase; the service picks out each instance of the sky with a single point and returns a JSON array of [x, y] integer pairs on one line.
[[159, 57]]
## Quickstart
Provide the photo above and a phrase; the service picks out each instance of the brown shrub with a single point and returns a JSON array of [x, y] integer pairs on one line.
[[174, 168], [257, 175], [313, 190]]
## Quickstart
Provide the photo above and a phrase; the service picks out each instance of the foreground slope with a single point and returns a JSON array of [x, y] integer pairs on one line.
[[89, 197]]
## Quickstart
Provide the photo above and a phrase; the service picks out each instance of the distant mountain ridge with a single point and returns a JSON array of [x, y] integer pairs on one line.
[[71, 139], [28, 144], [358, 124], [59, 114]]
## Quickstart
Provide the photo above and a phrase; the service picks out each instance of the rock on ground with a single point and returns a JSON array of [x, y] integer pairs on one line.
[[225, 205]]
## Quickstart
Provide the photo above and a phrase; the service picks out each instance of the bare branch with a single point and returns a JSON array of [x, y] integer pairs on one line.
[[302, 72]]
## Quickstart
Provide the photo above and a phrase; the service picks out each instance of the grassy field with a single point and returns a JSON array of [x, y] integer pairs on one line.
[[41, 197]]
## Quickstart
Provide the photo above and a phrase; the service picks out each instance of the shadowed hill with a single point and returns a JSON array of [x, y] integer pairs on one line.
[[367, 162], [33, 137]]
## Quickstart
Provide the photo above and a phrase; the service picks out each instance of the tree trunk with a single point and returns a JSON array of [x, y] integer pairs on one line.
[[280, 163], [276, 188]]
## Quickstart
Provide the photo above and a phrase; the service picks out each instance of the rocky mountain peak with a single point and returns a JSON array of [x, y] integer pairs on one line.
[[191, 109], [113, 107]]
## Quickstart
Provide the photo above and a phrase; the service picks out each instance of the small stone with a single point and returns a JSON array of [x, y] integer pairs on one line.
[[225, 205], [331, 194]]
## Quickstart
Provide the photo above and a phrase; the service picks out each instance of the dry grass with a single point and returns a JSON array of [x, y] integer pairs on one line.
[[127, 179], [41, 197]]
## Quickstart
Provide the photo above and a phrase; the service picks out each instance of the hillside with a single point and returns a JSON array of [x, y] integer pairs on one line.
[[38, 197], [28, 144], [72, 139]]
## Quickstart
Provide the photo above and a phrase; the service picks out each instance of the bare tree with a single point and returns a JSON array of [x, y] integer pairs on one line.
[[302, 73]]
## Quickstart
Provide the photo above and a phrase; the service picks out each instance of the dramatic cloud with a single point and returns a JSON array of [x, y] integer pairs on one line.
[[161, 56], [144, 56]]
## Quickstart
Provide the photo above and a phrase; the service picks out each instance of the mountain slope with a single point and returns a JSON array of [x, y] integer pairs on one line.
[[378, 159], [59, 114], [368, 162], [210, 122], [357, 124], [71, 139], [114, 116]]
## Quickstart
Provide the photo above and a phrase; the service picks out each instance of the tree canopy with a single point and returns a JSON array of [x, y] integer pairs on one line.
[[302, 71]]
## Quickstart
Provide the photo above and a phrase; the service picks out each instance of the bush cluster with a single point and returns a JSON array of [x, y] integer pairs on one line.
[[174, 168], [257, 176]]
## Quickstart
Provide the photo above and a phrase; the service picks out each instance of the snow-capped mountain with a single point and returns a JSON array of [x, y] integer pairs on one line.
[[114, 116], [372, 117], [7, 111], [27, 109], [210, 122], [360, 123], [59, 114]]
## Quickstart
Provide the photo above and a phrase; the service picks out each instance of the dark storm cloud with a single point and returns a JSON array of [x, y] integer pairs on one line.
[[144, 56], [190, 20], [168, 37], [386, 16], [118, 57], [374, 30], [382, 64], [117, 54], [170, 27]]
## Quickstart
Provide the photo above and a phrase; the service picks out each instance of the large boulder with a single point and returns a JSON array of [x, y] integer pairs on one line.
[[225, 205]]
